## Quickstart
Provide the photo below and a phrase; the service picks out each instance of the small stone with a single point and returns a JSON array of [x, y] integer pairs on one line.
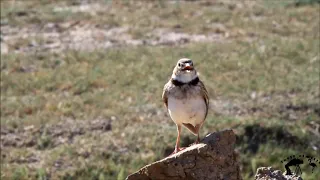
[[264, 173]]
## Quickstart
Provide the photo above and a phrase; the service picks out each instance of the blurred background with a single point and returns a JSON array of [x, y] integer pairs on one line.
[[81, 82]]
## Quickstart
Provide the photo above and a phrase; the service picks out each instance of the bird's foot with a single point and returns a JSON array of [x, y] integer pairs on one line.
[[176, 150], [196, 142]]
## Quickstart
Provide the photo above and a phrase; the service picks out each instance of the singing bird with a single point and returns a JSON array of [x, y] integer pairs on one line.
[[186, 99]]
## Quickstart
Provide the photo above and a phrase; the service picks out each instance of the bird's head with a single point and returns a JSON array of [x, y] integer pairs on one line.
[[184, 71]]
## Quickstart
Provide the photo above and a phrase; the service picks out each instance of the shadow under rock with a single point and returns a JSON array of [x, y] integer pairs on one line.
[[255, 135]]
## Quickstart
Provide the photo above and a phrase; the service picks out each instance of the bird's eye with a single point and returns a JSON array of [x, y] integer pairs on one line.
[[179, 64]]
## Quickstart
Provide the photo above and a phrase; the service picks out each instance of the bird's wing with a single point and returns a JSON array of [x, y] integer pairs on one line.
[[205, 96], [165, 95]]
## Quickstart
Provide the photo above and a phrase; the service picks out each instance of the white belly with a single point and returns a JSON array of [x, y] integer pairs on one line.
[[187, 110]]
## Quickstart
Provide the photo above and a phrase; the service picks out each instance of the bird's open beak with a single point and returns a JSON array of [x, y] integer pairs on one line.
[[188, 67]]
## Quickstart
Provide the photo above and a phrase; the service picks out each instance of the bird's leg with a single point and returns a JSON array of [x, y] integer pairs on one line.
[[198, 139], [177, 147], [197, 127]]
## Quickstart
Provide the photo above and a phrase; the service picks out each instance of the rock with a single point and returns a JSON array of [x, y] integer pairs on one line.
[[268, 173], [213, 158]]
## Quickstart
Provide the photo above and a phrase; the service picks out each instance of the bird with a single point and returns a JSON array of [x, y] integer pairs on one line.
[[186, 99]]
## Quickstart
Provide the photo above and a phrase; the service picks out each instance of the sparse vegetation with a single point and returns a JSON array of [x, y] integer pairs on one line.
[[76, 107]]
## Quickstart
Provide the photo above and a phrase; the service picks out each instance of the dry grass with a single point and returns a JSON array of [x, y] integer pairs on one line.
[[98, 114]]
